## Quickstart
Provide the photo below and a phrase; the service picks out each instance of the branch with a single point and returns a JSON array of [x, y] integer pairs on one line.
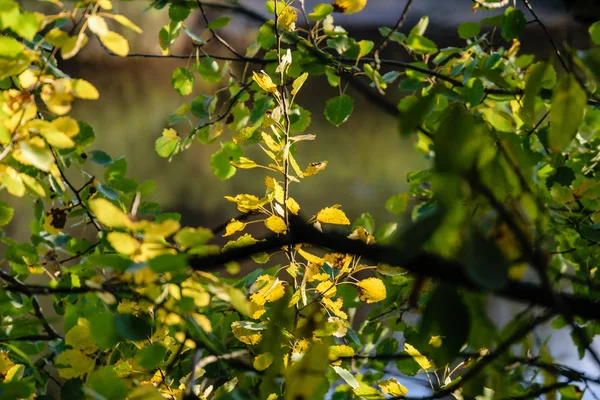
[[425, 264], [543, 390], [37, 308], [29, 338]]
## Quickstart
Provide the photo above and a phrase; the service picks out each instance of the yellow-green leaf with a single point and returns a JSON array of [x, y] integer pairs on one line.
[[263, 361], [264, 82], [392, 388], [417, 356], [109, 214], [123, 243]]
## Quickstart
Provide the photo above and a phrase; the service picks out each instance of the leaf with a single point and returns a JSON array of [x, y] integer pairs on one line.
[[421, 45], [132, 327], [166, 145], [106, 383], [39, 157], [183, 81], [150, 356], [209, 70], [74, 364], [320, 11], [332, 215], [533, 85], [220, 161], [413, 112], [102, 329], [417, 356], [421, 26], [298, 82], [219, 23], [338, 109], [264, 82], [346, 376], [123, 243], [109, 214], [349, 6], [392, 388], [99, 157], [124, 21], [372, 290], [467, 30], [484, 262], [445, 315], [568, 106], [594, 31], [314, 168], [168, 263], [276, 224], [513, 24], [178, 12], [397, 204], [6, 213], [365, 47], [365, 220], [263, 361], [190, 237], [115, 43]]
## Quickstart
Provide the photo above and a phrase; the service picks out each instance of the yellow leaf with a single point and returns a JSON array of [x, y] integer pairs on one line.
[[335, 307], [66, 125], [311, 257], [84, 90], [244, 163], [161, 230], [295, 166], [234, 226], [326, 288], [245, 333], [361, 234], [372, 290], [274, 189], [123, 20], [73, 44], [264, 81], [435, 341], [418, 357], [74, 364], [265, 289], [332, 215], [97, 25], [10, 178], [203, 322], [392, 388], [286, 17], [292, 205], [349, 6], [109, 214], [115, 43], [5, 363], [315, 167], [270, 142], [276, 224], [55, 220], [263, 361], [336, 352], [123, 243], [247, 202]]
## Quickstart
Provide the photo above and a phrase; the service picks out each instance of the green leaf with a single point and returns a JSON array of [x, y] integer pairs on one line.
[[513, 24], [484, 261], [183, 81], [338, 109], [533, 85], [102, 329], [366, 221], [220, 161], [106, 383], [397, 37], [467, 30], [385, 234], [445, 315], [150, 356], [27, 26], [397, 204], [132, 327], [594, 31], [168, 263], [86, 135], [320, 11], [99, 157], [208, 69], [346, 376], [413, 112], [266, 36], [218, 23], [421, 45], [166, 145], [178, 13], [6, 213], [568, 105], [421, 26]]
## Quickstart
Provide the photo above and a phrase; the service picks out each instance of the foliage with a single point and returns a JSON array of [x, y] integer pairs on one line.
[[146, 307]]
